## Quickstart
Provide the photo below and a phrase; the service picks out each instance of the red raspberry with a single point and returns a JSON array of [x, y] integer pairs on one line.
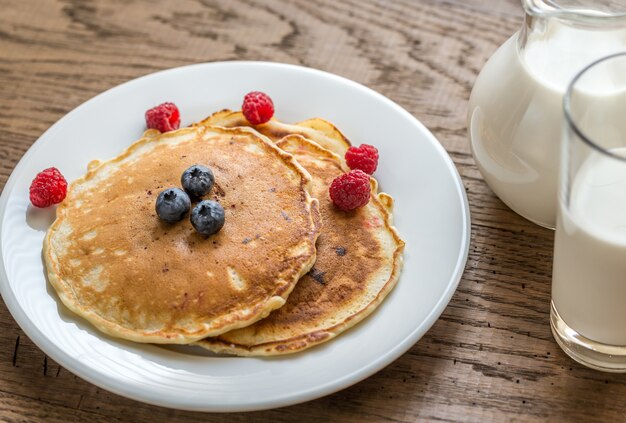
[[350, 190], [257, 107], [164, 117], [364, 157], [49, 187]]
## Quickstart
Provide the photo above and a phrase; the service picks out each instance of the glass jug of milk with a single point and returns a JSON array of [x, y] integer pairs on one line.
[[515, 114]]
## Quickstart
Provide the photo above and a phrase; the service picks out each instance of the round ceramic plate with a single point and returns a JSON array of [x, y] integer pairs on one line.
[[431, 214]]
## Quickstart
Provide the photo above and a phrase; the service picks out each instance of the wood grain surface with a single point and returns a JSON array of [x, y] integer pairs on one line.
[[490, 357]]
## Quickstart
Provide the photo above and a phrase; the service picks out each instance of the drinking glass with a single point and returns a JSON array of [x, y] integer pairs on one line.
[[588, 310]]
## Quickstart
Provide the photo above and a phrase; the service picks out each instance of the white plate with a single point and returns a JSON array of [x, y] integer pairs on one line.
[[431, 215]]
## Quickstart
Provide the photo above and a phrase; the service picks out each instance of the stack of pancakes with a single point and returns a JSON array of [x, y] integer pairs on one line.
[[287, 271]]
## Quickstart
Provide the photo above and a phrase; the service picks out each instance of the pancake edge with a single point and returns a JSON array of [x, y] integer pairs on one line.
[[231, 118]]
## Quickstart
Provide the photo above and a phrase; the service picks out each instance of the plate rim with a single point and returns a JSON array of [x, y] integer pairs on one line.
[[100, 379]]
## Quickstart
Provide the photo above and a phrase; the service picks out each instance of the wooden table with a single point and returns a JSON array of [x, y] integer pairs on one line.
[[489, 357]]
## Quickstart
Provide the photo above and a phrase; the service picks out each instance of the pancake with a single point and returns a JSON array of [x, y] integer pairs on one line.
[[113, 262], [317, 130], [359, 257]]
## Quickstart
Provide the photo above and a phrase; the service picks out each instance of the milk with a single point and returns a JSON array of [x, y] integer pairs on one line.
[[589, 273], [515, 112]]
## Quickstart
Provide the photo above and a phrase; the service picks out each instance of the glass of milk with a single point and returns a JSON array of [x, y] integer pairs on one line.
[[515, 115], [588, 313]]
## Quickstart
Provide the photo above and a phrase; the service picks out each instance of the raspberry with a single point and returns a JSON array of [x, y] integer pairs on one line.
[[164, 117], [257, 107], [49, 187], [350, 190], [364, 157]]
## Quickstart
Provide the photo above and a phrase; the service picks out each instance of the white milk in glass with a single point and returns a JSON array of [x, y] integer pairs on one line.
[[589, 274], [515, 112]]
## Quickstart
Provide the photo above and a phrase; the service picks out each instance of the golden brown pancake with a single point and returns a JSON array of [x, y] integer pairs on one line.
[[317, 130], [359, 257], [113, 262]]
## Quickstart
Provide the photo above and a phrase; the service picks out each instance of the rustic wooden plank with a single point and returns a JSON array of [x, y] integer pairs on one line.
[[490, 356]]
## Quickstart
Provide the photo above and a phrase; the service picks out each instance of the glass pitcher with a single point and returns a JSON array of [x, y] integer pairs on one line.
[[515, 114]]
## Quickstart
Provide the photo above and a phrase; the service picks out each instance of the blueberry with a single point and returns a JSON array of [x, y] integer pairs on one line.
[[197, 180], [207, 217], [172, 204]]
